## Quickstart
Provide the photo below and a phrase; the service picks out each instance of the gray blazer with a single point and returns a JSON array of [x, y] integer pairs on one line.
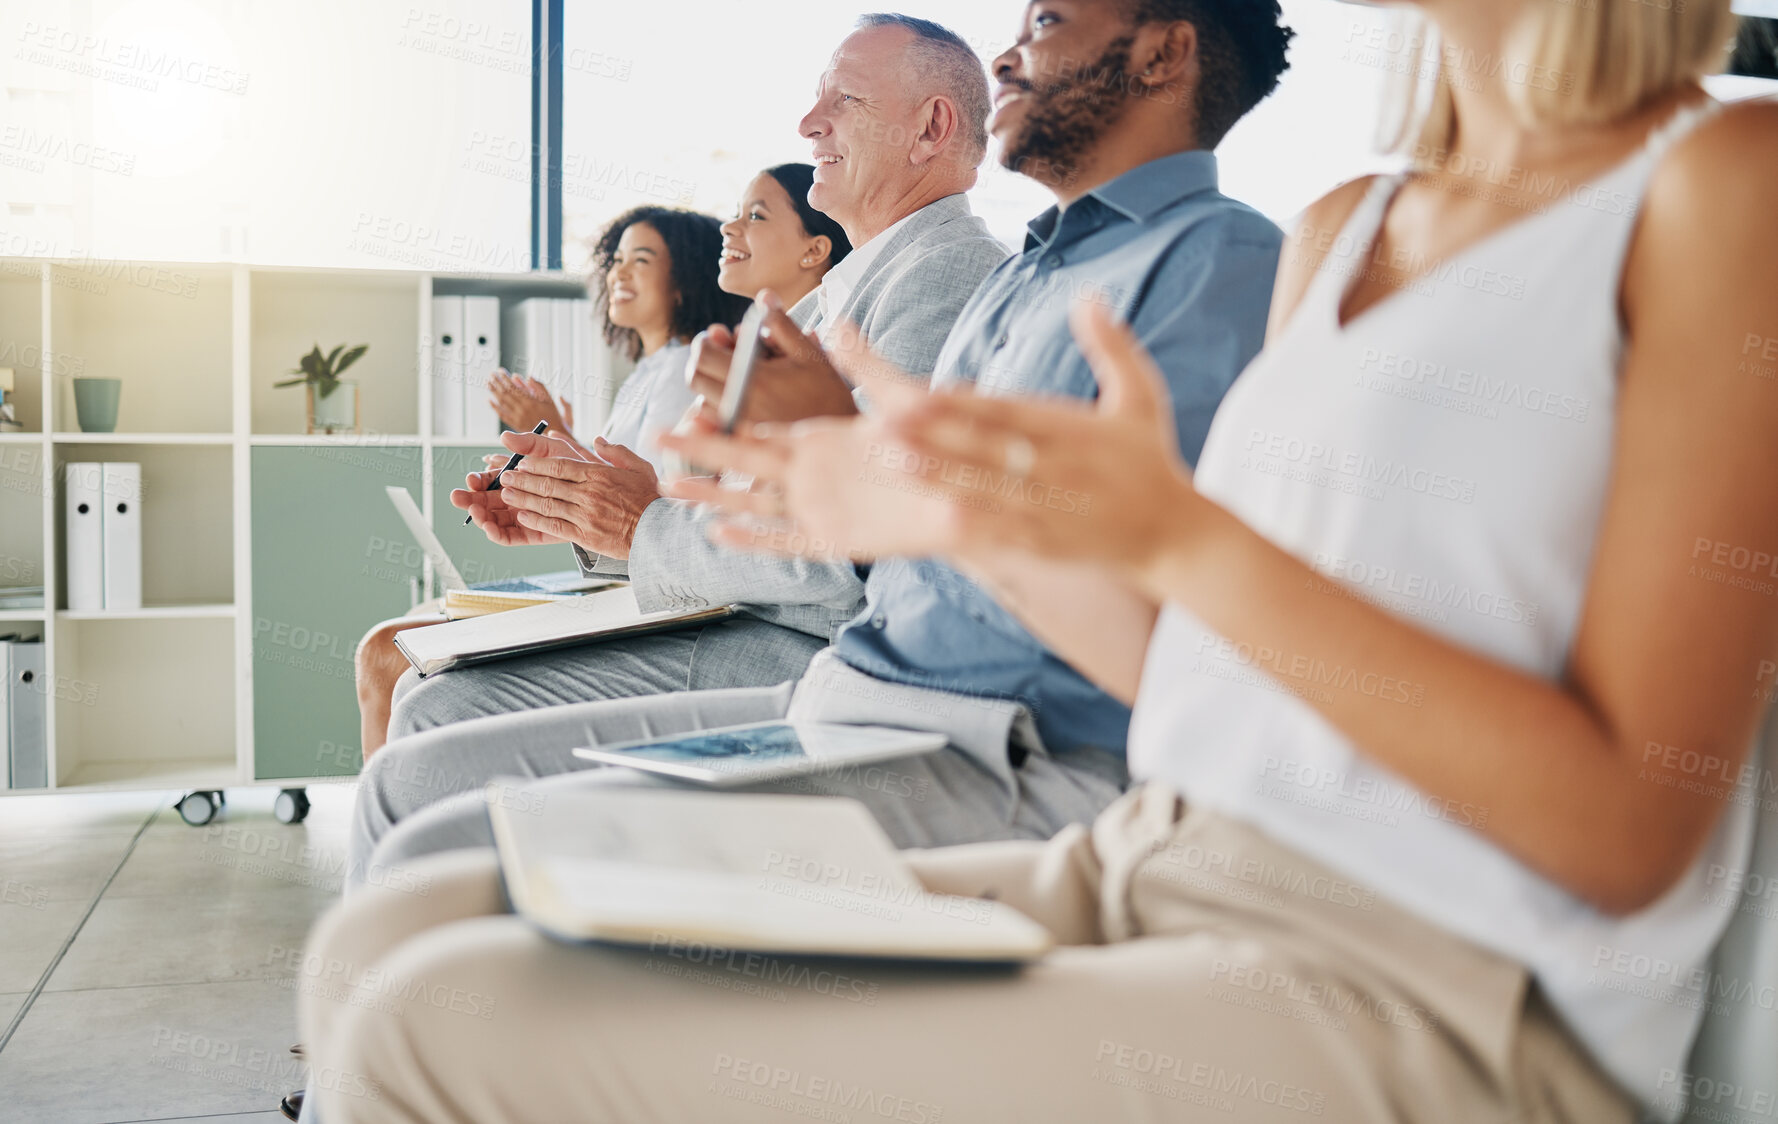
[[905, 303]]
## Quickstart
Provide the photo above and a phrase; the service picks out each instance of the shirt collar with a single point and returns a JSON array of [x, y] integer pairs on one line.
[[1139, 194], [836, 288]]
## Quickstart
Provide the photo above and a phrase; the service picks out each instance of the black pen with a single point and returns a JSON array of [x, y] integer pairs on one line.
[[511, 462]]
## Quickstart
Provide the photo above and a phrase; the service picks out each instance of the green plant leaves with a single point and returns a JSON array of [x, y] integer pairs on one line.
[[350, 358], [323, 371]]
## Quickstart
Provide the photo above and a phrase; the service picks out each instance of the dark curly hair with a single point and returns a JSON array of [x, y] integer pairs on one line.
[[694, 243], [796, 179], [1241, 46]]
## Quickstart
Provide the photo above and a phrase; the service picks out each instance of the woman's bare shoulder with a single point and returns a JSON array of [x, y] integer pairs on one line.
[[1307, 242]]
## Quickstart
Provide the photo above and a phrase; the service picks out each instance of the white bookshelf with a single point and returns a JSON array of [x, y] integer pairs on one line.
[[164, 696]]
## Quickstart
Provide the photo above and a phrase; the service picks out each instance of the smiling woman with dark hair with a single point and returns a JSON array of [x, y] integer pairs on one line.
[[654, 287], [654, 279], [777, 241], [653, 283]]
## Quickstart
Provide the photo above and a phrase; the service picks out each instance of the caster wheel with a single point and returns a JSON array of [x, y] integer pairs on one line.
[[292, 806], [198, 808]]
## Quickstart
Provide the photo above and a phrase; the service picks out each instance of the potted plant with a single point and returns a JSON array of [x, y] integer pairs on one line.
[[330, 411]]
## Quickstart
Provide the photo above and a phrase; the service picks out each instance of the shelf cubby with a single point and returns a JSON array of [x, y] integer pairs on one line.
[[111, 673], [165, 331], [22, 561], [296, 310], [21, 337], [266, 551], [187, 520]]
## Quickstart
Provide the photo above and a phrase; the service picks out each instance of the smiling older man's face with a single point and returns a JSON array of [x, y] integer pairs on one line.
[[862, 127]]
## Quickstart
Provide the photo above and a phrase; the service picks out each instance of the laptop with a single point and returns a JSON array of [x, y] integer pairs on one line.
[[555, 583]]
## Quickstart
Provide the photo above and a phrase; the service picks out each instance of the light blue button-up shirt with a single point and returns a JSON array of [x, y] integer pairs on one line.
[[1191, 271]]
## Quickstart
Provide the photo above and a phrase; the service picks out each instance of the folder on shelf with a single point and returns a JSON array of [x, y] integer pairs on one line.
[[481, 341], [25, 695], [607, 615], [639, 866], [528, 335], [121, 529], [82, 489], [565, 376], [592, 373], [447, 367]]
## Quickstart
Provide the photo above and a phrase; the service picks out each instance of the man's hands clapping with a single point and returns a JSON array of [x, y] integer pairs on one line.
[[792, 378], [556, 495]]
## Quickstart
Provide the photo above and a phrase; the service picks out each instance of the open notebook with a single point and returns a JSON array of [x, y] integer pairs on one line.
[[605, 615], [802, 875]]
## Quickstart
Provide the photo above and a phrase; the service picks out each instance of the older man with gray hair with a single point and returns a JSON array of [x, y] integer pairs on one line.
[[897, 132]]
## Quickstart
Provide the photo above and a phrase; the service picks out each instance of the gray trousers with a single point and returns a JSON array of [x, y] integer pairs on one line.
[[741, 652], [995, 780]]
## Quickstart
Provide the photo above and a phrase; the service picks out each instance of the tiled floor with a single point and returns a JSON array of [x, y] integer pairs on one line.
[[146, 966]]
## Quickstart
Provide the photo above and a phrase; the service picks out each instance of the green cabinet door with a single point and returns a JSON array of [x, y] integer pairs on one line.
[[477, 559], [330, 559]]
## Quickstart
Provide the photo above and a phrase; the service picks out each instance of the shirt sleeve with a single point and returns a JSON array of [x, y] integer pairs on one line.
[[598, 566], [1202, 316]]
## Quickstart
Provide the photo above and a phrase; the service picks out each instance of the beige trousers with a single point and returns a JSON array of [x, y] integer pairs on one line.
[[1206, 973]]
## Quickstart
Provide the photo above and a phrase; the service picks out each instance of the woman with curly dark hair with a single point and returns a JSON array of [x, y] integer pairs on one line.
[[654, 279], [653, 284], [654, 288]]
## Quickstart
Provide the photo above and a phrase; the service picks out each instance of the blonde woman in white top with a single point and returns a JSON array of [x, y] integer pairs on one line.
[[1444, 665]]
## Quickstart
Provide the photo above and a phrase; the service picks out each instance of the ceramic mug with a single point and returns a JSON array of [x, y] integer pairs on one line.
[[95, 404]]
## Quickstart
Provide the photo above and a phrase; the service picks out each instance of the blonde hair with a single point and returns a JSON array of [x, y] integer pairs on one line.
[[1567, 62]]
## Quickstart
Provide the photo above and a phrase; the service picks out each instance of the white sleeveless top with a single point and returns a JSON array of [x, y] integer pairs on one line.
[[1446, 455]]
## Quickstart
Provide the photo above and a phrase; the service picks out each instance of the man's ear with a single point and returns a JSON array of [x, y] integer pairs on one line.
[[937, 122], [1164, 55]]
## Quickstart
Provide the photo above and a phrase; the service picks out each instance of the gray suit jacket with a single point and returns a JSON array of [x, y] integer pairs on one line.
[[905, 303]]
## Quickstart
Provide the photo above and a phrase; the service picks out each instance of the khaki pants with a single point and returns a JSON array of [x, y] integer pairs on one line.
[[1207, 973]]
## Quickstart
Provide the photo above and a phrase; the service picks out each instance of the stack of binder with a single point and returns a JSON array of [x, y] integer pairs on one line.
[[550, 339], [104, 536], [24, 697], [465, 351]]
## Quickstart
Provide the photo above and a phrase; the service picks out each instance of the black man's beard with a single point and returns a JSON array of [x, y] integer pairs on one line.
[[1067, 117]]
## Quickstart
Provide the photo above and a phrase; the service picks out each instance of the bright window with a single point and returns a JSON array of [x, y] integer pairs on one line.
[[683, 101], [331, 132], [341, 133]]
